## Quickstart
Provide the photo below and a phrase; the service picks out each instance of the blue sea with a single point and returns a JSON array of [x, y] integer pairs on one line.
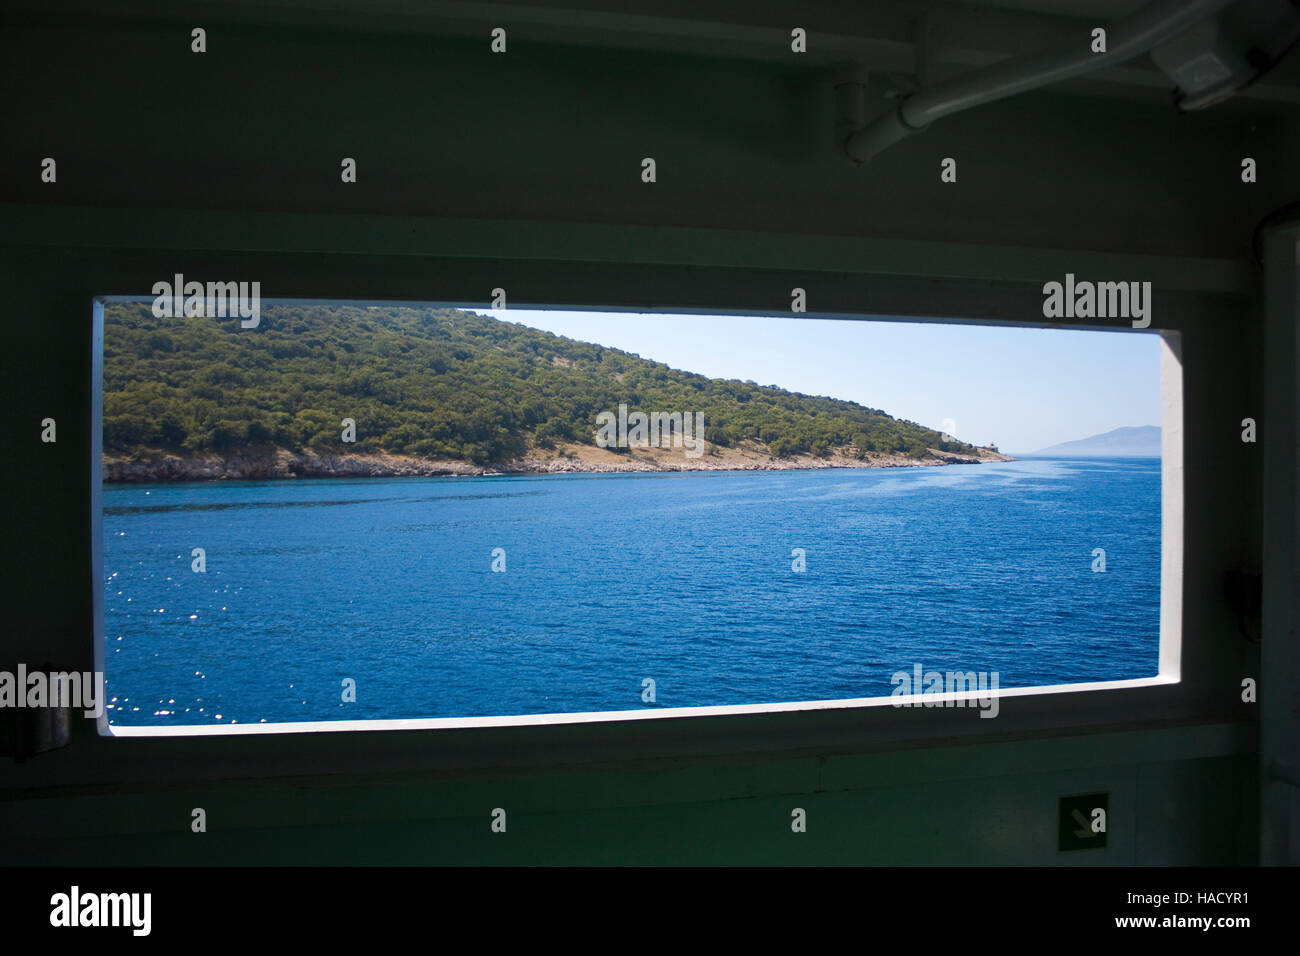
[[687, 579]]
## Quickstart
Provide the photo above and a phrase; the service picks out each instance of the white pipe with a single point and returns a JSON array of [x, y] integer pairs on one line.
[[1125, 40]]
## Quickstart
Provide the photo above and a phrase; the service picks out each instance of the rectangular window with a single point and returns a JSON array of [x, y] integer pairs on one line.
[[343, 512]]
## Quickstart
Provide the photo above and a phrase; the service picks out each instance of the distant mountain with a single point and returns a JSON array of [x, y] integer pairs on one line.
[[1142, 441]]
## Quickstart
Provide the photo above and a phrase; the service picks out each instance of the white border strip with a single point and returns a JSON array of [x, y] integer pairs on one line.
[[1171, 505], [910, 701]]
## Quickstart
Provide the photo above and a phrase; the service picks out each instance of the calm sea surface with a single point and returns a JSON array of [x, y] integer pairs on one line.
[[609, 579]]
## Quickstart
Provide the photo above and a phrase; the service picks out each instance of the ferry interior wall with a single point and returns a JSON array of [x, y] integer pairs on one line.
[[787, 155]]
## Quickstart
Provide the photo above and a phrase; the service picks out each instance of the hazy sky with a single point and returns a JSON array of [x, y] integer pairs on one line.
[[1024, 389]]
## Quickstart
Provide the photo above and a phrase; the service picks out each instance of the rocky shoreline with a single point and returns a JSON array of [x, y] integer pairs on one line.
[[158, 467]]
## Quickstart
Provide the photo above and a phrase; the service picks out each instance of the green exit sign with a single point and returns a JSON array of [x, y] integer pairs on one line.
[[1083, 821]]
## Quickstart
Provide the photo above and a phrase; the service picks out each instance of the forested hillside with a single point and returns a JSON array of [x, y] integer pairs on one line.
[[431, 383]]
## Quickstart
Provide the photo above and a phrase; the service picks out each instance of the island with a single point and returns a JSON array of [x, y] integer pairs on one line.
[[387, 391]]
